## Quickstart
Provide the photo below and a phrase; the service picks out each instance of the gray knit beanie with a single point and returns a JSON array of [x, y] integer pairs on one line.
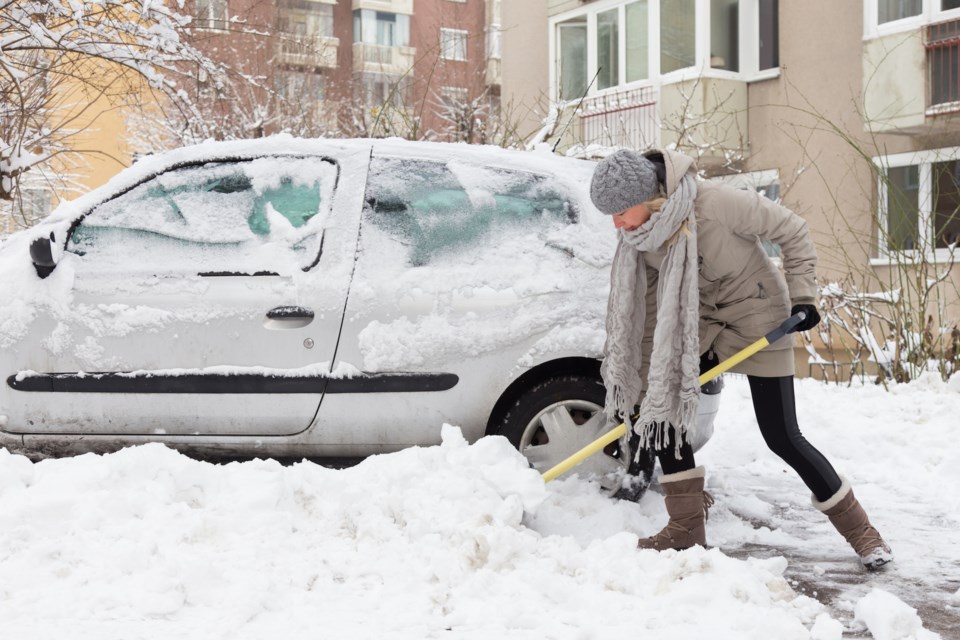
[[621, 180]]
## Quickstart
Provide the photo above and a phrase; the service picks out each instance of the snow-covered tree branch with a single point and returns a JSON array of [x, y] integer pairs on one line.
[[57, 57]]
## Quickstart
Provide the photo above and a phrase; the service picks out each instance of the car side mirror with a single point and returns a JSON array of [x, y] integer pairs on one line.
[[41, 253]]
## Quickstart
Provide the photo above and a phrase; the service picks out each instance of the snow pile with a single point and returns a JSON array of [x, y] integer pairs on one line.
[[465, 541], [889, 618], [149, 543]]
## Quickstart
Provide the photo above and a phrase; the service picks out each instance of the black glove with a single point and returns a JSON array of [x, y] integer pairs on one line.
[[809, 322]]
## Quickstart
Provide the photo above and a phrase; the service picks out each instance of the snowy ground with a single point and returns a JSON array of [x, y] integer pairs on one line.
[[463, 541]]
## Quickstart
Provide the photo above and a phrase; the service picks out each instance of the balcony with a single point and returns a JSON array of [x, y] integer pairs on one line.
[[390, 6], [911, 79], [306, 51], [375, 58]]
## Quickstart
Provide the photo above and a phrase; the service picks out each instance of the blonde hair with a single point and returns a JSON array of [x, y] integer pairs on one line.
[[655, 205]]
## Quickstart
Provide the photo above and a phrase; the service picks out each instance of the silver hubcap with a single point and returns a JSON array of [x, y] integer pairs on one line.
[[561, 430]]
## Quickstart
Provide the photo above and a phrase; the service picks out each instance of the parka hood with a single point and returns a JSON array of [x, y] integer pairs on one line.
[[677, 165]]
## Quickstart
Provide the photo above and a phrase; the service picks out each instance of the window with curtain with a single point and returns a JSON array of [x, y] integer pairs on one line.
[[637, 41], [890, 10], [903, 207], [572, 47], [678, 47], [453, 44], [608, 48], [725, 34]]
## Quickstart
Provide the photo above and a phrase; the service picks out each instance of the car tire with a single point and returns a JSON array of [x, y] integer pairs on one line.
[[557, 417]]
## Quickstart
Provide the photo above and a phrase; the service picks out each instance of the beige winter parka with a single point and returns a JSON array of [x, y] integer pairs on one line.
[[743, 293]]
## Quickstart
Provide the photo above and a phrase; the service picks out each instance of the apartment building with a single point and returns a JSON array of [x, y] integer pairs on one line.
[[361, 67], [846, 111]]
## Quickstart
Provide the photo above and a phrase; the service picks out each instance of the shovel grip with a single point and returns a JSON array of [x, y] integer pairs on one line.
[[787, 326]]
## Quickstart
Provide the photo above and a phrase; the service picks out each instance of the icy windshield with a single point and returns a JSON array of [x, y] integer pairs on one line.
[[434, 206]]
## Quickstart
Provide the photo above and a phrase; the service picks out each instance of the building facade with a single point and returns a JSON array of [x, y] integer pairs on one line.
[[411, 68]]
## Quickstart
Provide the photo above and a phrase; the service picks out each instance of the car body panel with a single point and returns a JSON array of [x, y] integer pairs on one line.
[[398, 349]]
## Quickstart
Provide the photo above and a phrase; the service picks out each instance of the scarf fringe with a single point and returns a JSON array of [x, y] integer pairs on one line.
[[655, 432]]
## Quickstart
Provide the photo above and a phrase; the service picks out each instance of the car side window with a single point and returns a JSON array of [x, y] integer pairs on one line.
[[432, 206], [258, 216]]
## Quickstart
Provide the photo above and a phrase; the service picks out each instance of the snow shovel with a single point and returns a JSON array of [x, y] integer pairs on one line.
[[787, 326]]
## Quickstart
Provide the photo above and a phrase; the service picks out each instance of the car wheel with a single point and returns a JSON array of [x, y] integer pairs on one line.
[[556, 418]]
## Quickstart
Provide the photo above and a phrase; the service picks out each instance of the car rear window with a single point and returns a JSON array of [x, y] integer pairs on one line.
[[436, 206]]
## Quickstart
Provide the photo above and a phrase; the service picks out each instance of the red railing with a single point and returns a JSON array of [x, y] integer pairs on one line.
[[942, 42], [627, 119]]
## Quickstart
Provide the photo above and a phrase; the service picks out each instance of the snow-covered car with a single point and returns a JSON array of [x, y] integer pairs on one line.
[[312, 298]]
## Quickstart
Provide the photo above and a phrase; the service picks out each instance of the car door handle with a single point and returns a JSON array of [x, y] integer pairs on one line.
[[288, 317], [285, 313]]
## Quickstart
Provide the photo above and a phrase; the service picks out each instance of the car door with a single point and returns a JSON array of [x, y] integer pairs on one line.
[[459, 272], [205, 301]]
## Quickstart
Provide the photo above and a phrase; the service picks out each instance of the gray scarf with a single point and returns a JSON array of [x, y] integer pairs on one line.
[[673, 386]]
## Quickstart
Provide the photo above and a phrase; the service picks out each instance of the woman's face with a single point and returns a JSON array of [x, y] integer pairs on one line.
[[630, 219]]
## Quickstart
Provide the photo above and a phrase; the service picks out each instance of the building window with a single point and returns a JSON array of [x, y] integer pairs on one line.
[[613, 42], [893, 16], [572, 44], [608, 49], [678, 44], [304, 18], [725, 34], [494, 42], [943, 46], [381, 28], [946, 204], [211, 14], [453, 44], [890, 10], [302, 87], [382, 90], [637, 41], [920, 203], [768, 42]]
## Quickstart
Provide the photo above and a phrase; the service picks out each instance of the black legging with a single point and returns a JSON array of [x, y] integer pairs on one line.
[[775, 408]]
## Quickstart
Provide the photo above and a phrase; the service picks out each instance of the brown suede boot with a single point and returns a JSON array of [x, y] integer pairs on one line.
[[687, 505], [851, 521]]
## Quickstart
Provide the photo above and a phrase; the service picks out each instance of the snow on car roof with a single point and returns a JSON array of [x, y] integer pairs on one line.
[[577, 171]]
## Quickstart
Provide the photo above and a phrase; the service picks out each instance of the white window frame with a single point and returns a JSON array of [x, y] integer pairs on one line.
[[451, 40], [494, 42], [217, 15], [924, 160], [930, 13], [749, 30]]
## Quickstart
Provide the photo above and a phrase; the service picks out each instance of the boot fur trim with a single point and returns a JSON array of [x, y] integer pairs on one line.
[[690, 474], [834, 500]]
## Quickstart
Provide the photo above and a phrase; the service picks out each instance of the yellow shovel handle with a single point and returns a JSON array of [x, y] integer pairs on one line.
[[787, 326]]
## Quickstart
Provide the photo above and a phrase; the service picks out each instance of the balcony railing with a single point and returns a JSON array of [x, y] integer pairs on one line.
[[942, 42], [305, 51], [627, 119], [378, 58]]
